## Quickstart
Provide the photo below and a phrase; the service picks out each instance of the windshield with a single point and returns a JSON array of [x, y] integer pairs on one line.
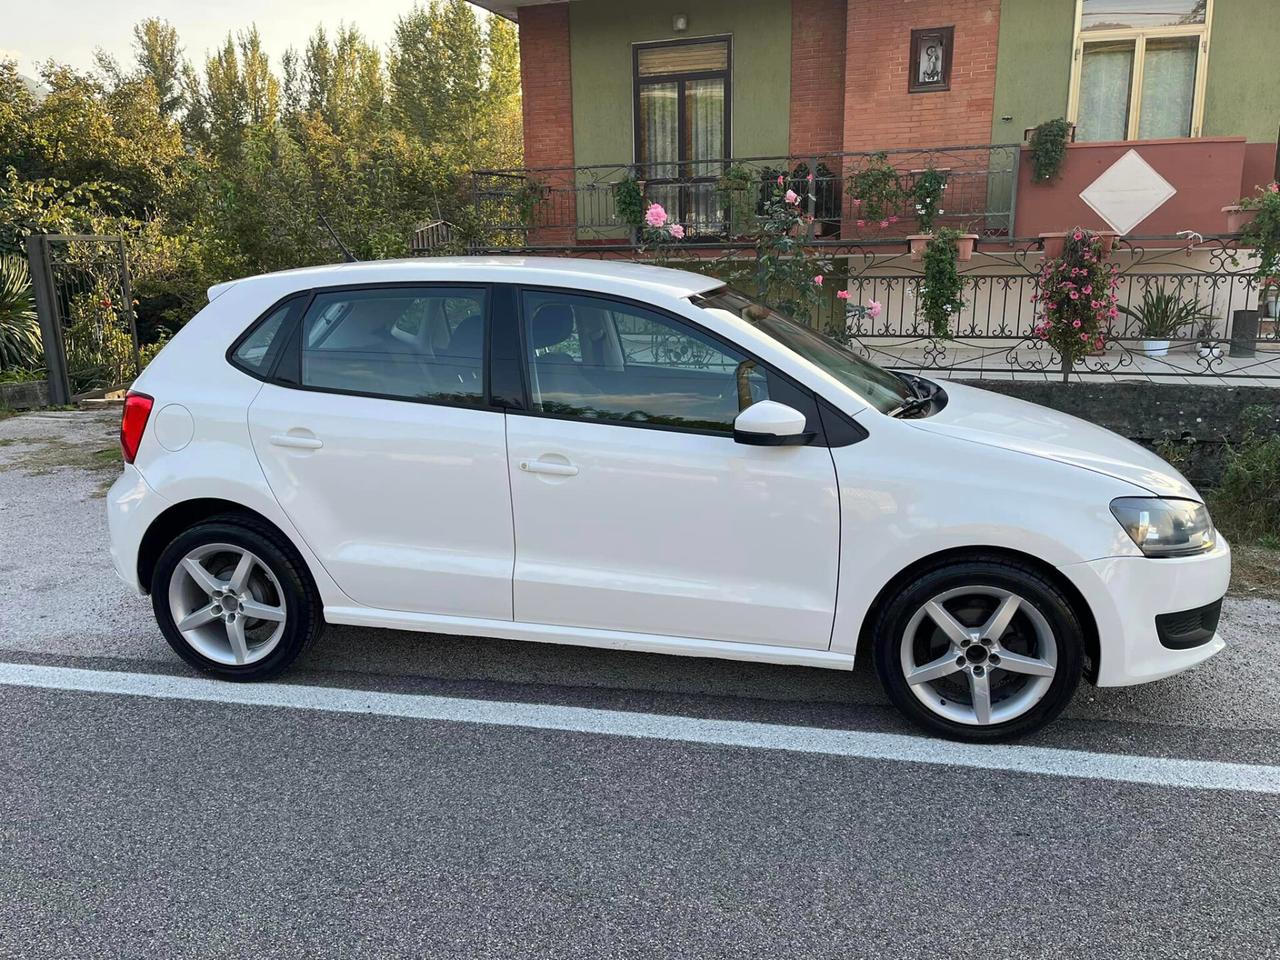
[[877, 386]]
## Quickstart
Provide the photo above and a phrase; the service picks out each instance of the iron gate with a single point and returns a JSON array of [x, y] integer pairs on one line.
[[85, 304]]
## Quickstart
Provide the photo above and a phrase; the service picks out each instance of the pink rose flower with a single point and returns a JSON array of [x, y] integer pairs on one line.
[[883, 224], [873, 308], [1077, 235], [842, 294], [791, 197], [677, 231], [1074, 295], [781, 179], [818, 280], [860, 223], [1076, 324], [655, 216]]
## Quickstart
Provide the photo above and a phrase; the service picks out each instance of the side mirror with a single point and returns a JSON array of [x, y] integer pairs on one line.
[[771, 424]]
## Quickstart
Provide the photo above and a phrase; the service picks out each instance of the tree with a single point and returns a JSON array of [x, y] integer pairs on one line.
[[159, 58]]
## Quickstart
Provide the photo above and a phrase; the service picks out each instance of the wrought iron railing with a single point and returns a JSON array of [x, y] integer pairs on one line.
[[715, 200]]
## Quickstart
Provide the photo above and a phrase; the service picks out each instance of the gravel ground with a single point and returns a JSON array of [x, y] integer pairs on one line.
[[61, 598]]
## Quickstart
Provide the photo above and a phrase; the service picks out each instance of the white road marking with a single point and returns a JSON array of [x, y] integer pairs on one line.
[[1157, 771]]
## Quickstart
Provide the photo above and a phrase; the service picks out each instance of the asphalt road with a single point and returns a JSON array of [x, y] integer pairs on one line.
[[138, 827]]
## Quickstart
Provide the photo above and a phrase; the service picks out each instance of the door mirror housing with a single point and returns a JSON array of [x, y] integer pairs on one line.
[[771, 424]]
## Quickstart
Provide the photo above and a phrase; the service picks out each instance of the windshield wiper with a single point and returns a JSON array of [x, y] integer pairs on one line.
[[921, 398]]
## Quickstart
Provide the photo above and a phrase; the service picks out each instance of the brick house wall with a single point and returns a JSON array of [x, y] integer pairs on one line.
[[547, 105], [879, 113], [817, 76]]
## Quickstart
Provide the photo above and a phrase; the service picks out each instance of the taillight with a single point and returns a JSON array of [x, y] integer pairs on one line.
[[137, 409]]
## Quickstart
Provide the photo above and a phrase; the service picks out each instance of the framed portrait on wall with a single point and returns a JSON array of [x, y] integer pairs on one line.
[[930, 59]]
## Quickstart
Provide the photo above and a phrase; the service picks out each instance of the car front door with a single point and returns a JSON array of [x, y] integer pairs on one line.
[[376, 437], [634, 508]]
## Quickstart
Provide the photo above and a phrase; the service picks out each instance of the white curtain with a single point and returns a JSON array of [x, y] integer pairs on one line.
[[659, 129], [1105, 78], [1168, 88]]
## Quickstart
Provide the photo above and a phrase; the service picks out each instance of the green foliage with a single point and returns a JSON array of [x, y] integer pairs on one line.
[[1076, 294], [1161, 315], [926, 194], [736, 190], [1263, 234], [628, 202], [876, 189], [941, 286], [19, 329], [1048, 149], [1246, 504], [785, 275]]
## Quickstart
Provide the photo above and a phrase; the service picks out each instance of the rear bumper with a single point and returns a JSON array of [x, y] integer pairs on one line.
[[132, 506], [1126, 594]]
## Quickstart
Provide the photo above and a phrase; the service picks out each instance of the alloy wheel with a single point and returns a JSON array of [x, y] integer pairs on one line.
[[227, 604], [979, 655]]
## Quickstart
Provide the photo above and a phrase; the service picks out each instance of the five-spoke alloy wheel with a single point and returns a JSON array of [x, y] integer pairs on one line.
[[234, 599], [979, 650]]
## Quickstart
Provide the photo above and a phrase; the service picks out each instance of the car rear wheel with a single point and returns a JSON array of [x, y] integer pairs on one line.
[[233, 599], [979, 650]]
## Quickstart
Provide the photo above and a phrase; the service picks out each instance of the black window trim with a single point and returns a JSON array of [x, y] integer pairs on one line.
[[813, 402], [292, 328]]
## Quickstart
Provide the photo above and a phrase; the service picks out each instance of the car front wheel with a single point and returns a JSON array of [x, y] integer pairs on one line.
[[234, 600], [979, 650]]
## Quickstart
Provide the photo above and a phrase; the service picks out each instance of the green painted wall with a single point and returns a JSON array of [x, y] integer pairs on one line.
[[1033, 65], [1242, 97], [600, 36]]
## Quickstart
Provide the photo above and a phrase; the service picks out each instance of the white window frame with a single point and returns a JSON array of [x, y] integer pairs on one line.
[[1139, 38]]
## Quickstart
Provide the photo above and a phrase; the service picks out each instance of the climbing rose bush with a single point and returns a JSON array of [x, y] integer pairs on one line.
[[659, 227], [1076, 297]]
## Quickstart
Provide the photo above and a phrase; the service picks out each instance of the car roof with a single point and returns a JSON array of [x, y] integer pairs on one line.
[[537, 271]]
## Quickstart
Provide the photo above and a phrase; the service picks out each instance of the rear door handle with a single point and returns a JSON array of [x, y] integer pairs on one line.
[[293, 440], [549, 467]]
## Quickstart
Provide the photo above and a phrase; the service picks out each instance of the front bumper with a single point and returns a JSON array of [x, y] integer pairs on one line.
[[132, 506], [1126, 594]]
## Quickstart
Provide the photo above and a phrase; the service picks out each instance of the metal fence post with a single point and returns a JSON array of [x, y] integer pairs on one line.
[[51, 336]]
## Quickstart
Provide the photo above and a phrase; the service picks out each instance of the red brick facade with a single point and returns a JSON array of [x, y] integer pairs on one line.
[[547, 101], [879, 113], [817, 76]]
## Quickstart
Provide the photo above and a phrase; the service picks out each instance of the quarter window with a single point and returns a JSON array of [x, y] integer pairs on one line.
[[409, 343], [1140, 68], [254, 353], [599, 359]]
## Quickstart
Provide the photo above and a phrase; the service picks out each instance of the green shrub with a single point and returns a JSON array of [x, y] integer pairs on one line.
[[1048, 149], [19, 328], [1246, 504], [940, 292]]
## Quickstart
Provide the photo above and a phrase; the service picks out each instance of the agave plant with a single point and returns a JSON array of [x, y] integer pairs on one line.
[[1161, 315], [19, 327]]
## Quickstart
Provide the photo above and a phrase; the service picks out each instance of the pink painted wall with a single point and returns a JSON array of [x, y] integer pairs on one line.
[[1207, 172]]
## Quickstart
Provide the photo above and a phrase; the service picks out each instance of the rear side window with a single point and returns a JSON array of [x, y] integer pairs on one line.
[[412, 343], [255, 353]]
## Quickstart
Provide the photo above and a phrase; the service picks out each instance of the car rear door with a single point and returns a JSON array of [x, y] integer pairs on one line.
[[635, 510], [377, 437]]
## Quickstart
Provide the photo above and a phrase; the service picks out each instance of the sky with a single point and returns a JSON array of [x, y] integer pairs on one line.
[[32, 31]]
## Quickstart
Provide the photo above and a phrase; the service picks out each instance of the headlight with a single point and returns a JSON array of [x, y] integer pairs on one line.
[[1165, 528]]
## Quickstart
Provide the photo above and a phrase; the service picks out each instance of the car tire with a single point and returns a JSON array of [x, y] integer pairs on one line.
[[959, 622], [234, 599]]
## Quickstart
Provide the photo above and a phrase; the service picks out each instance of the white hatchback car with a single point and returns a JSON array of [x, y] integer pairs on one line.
[[618, 455]]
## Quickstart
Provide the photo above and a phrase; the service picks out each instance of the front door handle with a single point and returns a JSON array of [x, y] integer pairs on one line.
[[295, 441], [549, 467]]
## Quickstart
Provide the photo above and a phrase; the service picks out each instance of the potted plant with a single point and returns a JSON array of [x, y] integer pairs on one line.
[[1048, 146], [942, 285], [1160, 316], [925, 194], [1270, 296], [1076, 299], [1209, 347], [1054, 242], [875, 193]]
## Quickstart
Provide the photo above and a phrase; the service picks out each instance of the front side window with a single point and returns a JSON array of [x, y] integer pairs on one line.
[[1140, 69], [598, 359], [412, 343], [878, 387]]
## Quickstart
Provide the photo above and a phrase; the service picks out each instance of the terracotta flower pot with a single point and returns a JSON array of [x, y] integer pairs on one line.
[[964, 245], [1238, 217], [1055, 242]]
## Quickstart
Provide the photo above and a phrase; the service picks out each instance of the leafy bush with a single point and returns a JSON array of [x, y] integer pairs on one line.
[[942, 286], [628, 202], [1048, 149], [876, 190], [1263, 234], [926, 194], [1246, 503], [20, 346]]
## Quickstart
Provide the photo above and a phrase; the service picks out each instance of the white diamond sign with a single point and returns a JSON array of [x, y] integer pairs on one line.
[[1127, 192]]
